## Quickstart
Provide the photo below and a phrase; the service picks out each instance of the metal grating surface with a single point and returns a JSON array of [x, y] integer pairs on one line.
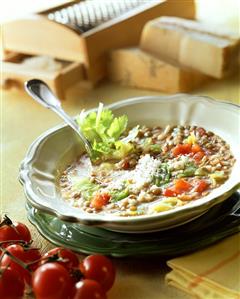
[[88, 14]]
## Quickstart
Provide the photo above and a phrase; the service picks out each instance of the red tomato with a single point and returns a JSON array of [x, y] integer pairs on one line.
[[69, 257], [198, 156], [201, 186], [89, 289], [14, 231], [18, 252], [184, 149], [169, 192], [33, 255], [196, 148], [52, 281], [182, 185], [181, 149], [100, 200], [99, 268], [11, 284]]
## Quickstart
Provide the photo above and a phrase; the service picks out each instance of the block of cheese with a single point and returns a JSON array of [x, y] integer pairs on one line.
[[133, 67], [192, 44]]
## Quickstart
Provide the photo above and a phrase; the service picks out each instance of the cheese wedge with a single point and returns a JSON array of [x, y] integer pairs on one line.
[[192, 44], [133, 67]]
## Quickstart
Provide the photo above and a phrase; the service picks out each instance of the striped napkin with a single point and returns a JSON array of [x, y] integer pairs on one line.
[[212, 273]]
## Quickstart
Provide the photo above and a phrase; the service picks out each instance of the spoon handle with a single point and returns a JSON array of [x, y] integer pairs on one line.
[[41, 93]]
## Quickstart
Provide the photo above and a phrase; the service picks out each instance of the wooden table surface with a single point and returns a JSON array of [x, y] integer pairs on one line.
[[23, 120]]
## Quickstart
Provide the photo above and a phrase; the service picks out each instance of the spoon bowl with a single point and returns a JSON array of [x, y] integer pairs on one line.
[[41, 93]]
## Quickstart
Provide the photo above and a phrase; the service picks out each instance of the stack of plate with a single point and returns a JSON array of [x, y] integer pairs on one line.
[[174, 232], [219, 222]]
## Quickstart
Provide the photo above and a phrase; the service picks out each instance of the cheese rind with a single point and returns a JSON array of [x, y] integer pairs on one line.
[[192, 45], [133, 67]]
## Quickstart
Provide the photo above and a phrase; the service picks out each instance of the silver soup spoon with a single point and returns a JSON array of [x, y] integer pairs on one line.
[[41, 93]]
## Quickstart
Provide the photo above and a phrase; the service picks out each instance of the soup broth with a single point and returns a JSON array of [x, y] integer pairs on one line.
[[167, 168]]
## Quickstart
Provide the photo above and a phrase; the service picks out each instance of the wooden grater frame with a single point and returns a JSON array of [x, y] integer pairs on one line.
[[34, 35], [87, 52]]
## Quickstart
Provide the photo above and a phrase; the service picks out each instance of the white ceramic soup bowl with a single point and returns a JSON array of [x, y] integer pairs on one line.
[[49, 155]]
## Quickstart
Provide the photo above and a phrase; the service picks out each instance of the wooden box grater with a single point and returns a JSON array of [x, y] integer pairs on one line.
[[84, 31]]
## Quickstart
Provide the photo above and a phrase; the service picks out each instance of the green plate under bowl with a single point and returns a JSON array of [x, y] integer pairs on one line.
[[218, 223]]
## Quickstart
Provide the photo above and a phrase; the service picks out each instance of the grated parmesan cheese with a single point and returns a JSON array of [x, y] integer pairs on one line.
[[145, 169]]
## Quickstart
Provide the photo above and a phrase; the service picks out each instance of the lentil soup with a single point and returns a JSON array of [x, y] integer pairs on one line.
[[166, 168]]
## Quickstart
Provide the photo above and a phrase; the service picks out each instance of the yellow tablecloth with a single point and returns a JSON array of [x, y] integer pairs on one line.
[[213, 272], [22, 120]]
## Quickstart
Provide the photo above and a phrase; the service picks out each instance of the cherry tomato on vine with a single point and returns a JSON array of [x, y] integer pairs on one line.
[[14, 231], [16, 251], [24, 257], [11, 284], [70, 259], [99, 268], [52, 281], [32, 256], [89, 289]]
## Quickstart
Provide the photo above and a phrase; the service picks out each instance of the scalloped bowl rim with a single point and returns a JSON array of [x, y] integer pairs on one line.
[[204, 202]]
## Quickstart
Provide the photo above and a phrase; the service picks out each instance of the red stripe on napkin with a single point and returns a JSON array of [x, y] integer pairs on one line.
[[218, 266]]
